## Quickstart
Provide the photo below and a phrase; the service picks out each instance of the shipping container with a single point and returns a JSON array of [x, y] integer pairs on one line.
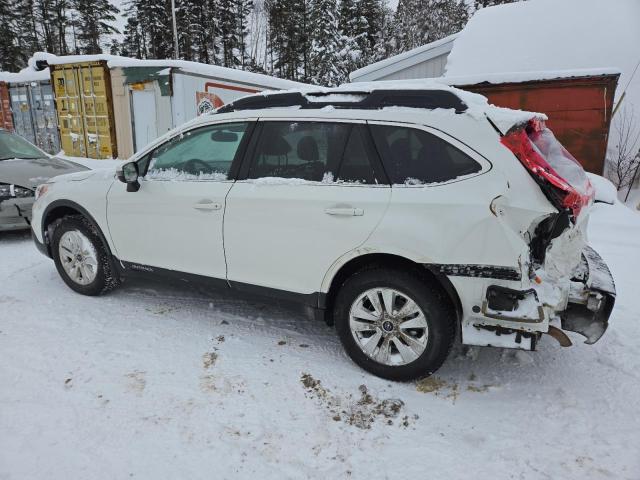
[[85, 109], [579, 110], [151, 97], [196, 94], [6, 121], [141, 105], [34, 114]]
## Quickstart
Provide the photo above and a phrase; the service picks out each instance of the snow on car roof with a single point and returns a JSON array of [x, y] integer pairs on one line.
[[113, 61], [478, 106], [538, 36]]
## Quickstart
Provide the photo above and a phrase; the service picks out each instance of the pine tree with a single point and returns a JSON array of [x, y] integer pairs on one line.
[[155, 16], [134, 42], [287, 37], [360, 24], [418, 22], [326, 62], [94, 23], [9, 52]]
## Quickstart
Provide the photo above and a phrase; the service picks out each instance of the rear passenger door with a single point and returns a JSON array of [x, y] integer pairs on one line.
[[309, 192]]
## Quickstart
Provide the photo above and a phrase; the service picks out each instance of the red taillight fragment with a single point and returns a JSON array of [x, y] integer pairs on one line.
[[544, 157]]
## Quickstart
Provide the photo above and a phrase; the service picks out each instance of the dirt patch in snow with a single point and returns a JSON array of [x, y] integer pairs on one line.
[[444, 389], [136, 382], [209, 360], [360, 411]]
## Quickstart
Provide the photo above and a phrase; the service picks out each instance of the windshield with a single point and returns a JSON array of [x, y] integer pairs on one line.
[[14, 146]]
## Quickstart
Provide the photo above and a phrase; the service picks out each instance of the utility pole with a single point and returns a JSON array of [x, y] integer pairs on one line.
[[176, 53]]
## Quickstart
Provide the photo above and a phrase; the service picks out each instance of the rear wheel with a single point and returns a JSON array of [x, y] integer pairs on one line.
[[394, 324], [81, 257]]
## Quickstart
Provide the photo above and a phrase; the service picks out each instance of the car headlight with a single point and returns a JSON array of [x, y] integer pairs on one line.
[[14, 191], [42, 190], [5, 191]]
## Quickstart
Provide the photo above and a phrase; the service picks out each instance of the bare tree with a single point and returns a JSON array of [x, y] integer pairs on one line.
[[624, 158]]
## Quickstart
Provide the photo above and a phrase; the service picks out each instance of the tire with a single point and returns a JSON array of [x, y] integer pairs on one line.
[[99, 273], [395, 362]]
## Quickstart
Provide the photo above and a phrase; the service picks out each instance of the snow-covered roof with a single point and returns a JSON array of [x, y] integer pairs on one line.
[[550, 35], [406, 59], [520, 77], [27, 74], [214, 71]]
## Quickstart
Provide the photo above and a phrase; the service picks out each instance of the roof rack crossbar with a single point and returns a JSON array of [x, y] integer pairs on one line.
[[429, 99]]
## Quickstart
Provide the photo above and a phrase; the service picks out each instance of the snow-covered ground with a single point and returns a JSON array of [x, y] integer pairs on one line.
[[156, 381]]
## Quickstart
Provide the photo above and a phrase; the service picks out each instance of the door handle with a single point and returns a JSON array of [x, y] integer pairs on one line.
[[207, 205], [344, 211]]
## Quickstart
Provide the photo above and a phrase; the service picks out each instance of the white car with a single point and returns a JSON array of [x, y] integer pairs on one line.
[[404, 217]]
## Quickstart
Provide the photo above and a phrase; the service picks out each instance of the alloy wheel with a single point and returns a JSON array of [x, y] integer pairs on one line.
[[388, 326]]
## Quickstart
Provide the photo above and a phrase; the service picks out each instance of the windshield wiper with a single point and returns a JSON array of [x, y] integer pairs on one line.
[[20, 158]]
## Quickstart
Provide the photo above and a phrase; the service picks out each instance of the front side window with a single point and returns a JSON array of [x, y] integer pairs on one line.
[[415, 157], [202, 154], [301, 150]]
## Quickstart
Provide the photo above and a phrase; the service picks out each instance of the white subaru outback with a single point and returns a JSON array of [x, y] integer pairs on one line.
[[403, 217]]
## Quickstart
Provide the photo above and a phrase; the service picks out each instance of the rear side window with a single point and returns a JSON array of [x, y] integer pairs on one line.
[[305, 150], [416, 157]]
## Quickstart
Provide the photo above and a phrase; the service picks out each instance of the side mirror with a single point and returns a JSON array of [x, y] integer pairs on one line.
[[129, 174]]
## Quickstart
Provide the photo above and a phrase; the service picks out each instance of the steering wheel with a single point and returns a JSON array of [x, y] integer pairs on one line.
[[196, 166]]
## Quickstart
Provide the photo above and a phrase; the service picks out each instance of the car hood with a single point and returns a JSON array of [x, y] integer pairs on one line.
[[33, 171]]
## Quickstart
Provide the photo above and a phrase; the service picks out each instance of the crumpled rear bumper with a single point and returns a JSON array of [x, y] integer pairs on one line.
[[591, 298]]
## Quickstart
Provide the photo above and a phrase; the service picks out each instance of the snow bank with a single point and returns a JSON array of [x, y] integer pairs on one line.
[[550, 35], [605, 190], [171, 381], [223, 73]]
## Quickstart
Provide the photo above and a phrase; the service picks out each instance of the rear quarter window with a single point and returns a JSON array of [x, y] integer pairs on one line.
[[415, 157]]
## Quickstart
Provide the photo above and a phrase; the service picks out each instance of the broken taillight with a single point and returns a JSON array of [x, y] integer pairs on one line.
[[545, 158]]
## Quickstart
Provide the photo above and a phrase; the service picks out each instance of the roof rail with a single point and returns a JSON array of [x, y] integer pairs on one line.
[[429, 99]]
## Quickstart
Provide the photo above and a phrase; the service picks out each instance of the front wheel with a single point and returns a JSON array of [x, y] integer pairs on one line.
[[394, 324], [81, 257]]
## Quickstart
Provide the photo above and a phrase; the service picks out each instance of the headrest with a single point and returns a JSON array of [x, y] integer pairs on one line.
[[308, 149]]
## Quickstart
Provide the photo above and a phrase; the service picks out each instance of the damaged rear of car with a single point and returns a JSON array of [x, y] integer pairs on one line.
[[568, 285]]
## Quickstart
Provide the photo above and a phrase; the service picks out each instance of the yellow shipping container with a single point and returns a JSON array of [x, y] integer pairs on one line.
[[85, 109]]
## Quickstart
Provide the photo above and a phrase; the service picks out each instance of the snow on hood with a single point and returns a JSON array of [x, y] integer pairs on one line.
[[478, 106], [550, 35], [113, 61]]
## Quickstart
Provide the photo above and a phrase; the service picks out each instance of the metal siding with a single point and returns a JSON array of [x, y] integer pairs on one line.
[[579, 111], [85, 109], [22, 122], [432, 68]]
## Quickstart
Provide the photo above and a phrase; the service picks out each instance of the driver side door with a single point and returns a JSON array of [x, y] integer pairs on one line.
[[174, 221]]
